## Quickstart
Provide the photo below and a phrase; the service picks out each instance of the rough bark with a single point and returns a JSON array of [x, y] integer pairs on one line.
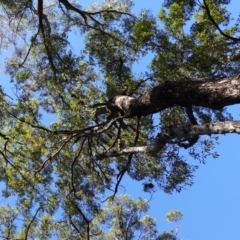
[[214, 94], [169, 134]]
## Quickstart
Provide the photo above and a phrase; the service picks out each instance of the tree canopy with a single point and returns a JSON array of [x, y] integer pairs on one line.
[[78, 122]]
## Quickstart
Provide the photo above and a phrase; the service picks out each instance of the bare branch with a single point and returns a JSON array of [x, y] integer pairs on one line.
[[169, 134]]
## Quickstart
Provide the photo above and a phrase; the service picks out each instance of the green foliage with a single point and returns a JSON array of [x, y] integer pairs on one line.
[[166, 236], [123, 217], [176, 18], [144, 30], [56, 135], [174, 216], [7, 217]]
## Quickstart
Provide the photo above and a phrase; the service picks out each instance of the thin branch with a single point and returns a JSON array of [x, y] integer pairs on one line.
[[28, 123], [15, 167], [53, 155], [94, 130], [4, 136], [29, 225], [73, 224], [30, 48], [117, 137], [83, 215], [72, 169], [41, 27], [193, 139], [85, 14], [137, 131], [216, 25], [139, 85], [69, 6], [122, 173]]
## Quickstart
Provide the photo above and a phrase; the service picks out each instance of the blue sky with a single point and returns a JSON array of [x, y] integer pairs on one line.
[[211, 207]]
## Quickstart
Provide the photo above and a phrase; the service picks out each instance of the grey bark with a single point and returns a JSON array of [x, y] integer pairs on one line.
[[169, 134]]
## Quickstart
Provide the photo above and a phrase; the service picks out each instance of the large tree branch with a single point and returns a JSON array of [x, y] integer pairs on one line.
[[169, 134], [214, 94]]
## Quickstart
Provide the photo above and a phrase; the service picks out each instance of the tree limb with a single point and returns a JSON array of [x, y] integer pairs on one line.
[[169, 134], [214, 94]]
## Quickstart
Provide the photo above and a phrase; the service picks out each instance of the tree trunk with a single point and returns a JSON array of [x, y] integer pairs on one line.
[[214, 94]]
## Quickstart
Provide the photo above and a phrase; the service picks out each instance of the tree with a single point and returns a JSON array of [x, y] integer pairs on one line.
[[108, 121]]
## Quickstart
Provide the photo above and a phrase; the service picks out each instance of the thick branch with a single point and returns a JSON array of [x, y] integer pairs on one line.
[[169, 134], [214, 94], [205, 129], [69, 6]]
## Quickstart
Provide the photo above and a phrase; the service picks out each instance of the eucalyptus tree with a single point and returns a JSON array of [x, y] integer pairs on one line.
[[79, 121]]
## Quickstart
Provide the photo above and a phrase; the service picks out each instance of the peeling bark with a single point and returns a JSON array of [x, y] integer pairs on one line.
[[214, 94]]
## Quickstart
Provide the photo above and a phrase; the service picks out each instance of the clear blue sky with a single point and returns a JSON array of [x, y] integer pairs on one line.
[[211, 207]]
